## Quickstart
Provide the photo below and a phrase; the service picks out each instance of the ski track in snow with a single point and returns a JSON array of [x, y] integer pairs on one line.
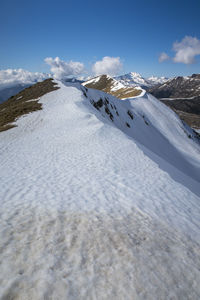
[[85, 214]]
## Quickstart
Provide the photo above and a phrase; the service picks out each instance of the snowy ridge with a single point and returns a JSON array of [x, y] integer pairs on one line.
[[156, 127], [112, 86], [94, 209], [115, 85]]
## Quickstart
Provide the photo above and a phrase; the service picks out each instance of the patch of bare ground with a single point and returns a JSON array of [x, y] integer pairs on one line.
[[126, 93], [25, 102]]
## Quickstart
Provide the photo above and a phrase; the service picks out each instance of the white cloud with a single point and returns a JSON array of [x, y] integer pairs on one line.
[[108, 65], [12, 77], [186, 50], [163, 56], [62, 69]]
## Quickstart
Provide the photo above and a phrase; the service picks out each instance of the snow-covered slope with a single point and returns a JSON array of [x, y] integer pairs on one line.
[[104, 81], [93, 208], [112, 86], [135, 79]]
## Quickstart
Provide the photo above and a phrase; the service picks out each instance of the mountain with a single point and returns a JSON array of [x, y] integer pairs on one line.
[[179, 87], [112, 86], [99, 197], [154, 80], [135, 79], [182, 94], [23, 103]]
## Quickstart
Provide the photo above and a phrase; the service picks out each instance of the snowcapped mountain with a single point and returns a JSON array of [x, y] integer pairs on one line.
[[112, 86], [154, 80], [99, 196], [135, 79], [132, 78], [178, 87]]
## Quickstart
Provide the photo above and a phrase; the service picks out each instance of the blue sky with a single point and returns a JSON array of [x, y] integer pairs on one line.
[[86, 31]]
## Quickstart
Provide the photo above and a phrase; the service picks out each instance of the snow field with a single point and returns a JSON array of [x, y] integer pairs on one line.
[[89, 213]]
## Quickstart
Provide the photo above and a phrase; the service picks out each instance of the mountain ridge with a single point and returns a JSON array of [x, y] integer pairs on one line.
[[182, 94], [112, 86], [95, 193]]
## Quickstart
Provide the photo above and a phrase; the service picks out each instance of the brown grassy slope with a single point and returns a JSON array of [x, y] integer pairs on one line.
[[192, 120], [24, 102], [126, 93], [188, 110], [105, 84]]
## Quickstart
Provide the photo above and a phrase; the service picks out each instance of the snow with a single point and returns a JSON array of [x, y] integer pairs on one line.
[[132, 79], [117, 86], [114, 85], [94, 80], [92, 209], [135, 79], [181, 98], [157, 80]]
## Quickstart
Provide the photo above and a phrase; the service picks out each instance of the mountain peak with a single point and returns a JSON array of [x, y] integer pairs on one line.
[[136, 79], [112, 86], [134, 74]]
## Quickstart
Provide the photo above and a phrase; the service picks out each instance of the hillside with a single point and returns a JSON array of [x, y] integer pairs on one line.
[[99, 199], [11, 91], [12, 81], [24, 102], [182, 94], [178, 87], [111, 86]]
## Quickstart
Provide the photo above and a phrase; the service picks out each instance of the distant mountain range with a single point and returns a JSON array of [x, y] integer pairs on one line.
[[135, 79], [184, 91], [178, 87], [130, 80], [182, 94]]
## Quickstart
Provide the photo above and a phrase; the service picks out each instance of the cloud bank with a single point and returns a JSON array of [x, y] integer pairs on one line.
[[108, 65], [12, 77], [185, 51], [62, 69], [163, 56]]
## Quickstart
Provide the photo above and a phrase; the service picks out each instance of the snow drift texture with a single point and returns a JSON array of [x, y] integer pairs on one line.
[[99, 200]]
